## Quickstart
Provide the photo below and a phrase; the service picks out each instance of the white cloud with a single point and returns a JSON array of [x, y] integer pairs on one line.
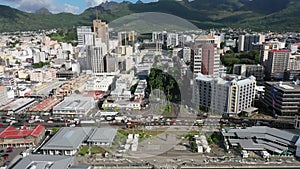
[[95, 2], [70, 9], [32, 5]]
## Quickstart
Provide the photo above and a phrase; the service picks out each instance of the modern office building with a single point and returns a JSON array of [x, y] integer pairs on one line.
[[277, 62], [95, 59], [101, 31], [283, 98], [223, 96], [125, 38], [266, 47], [249, 70], [85, 35], [186, 54], [206, 59], [246, 42], [297, 122]]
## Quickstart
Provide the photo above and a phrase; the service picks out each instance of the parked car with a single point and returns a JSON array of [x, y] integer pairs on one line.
[[9, 151]]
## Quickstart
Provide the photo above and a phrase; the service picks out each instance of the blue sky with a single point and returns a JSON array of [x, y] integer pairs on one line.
[[56, 6]]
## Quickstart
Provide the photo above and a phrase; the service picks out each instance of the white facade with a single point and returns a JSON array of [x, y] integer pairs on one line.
[[186, 54], [3, 95], [47, 75], [85, 35], [99, 83], [97, 59], [219, 95]]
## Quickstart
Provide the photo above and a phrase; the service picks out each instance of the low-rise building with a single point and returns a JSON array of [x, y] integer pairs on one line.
[[262, 138], [99, 83], [102, 137], [74, 106], [18, 106], [3, 96], [68, 140], [45, 161], [23, 137]]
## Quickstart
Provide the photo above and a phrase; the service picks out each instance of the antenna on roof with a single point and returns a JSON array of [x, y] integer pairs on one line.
[[96, 12]]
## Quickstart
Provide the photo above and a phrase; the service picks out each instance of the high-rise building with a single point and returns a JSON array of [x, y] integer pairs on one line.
[[97, 59], [85, 36], [125, 38], [266, 47], [186, 52], [246, 41], [223, 96], [111, 63], [283, 98], [277, 62], [101, 31], [172, 40], [249, 70], [206, 59]]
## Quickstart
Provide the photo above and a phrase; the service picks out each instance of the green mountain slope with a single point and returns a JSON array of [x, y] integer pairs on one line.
[[277, 15]]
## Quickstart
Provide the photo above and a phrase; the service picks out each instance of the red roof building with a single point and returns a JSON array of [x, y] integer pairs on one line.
[[23, 137]]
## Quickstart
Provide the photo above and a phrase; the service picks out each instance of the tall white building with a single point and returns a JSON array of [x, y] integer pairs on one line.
[[222, 96], [85, 35], [97, 58], [186, 52], [172, 39]]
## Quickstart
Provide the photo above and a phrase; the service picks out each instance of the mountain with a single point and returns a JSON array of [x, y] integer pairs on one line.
[[43, 11], [276, 15]]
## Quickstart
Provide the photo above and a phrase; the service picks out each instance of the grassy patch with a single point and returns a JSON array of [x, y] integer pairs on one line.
[[97, 150], [84, 150]]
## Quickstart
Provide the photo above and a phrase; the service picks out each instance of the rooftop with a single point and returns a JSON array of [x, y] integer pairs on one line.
[[45, 105], [103, 135], [75, 102], [285, 86], [68, 138], [17, 104], [262, 137], [12, 133], [44, 161], [280, 51]]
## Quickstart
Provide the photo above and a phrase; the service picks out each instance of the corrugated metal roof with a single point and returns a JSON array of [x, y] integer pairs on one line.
[[43, 161]]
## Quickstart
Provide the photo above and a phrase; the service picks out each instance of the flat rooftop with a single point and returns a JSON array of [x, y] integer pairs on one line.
[[44, 161], [285, 86], [103, 135], [75, 102]]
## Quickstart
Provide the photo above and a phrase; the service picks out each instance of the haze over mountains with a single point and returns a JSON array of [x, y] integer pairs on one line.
[[275, 15]]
